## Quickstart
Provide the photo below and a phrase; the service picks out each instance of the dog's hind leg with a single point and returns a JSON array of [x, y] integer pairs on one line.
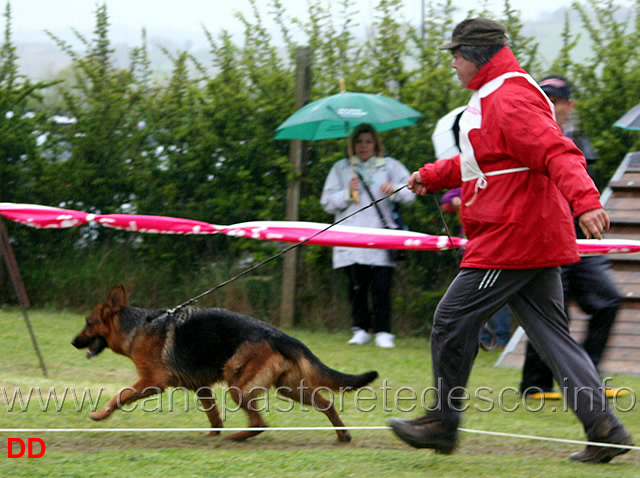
[[319, 403], [205, 395], [328, 408], [245, 401], [251, 371]]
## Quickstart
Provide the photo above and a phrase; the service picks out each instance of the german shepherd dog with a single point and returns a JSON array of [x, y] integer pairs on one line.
[[195, 348]]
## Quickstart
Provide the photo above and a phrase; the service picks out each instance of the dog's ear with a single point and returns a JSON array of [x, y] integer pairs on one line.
[[117, 298]]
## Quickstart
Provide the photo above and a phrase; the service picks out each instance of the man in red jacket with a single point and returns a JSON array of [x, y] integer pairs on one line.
[[517, 172]]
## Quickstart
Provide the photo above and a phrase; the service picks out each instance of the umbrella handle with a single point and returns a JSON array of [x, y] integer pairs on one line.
[[355, 195]]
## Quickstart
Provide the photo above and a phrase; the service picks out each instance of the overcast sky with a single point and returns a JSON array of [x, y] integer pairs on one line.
[[162, 17]]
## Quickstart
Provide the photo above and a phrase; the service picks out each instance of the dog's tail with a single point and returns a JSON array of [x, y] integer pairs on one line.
[[321, 375], [337, 380]]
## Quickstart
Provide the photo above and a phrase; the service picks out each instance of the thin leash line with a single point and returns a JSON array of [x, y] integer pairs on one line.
[[265, 429], [284, 251], [446, 228]]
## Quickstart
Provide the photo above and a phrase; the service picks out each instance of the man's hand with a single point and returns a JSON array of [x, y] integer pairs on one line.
[[593, 223], [416, 185]]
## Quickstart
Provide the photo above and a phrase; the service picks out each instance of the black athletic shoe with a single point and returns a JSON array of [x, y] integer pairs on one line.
[[425, 432]]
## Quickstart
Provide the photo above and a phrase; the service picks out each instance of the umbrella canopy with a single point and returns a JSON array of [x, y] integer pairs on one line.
[[630, 120], [336, 116], [444, 135]]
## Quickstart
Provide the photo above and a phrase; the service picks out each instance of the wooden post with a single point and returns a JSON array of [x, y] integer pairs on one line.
[[298, 158], [6, 251]]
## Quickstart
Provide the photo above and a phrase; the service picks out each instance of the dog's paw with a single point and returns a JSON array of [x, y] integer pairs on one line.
[[100, 414], [241, 436]]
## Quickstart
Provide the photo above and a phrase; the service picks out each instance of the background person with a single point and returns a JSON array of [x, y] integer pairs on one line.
[[517, 172], [588, 281], [369, 271]]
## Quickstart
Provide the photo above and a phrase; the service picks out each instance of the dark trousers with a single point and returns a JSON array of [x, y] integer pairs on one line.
[[501, 325], [589, 283], [536, 299], [367, 280]]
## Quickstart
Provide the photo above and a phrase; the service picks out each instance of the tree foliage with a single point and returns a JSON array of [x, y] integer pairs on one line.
[[20, 162], [606, 84]]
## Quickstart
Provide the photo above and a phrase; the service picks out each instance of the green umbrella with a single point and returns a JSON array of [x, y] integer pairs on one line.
[[336, 116]]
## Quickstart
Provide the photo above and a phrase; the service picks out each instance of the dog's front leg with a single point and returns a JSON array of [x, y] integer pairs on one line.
[[140, 389], [206, 396]]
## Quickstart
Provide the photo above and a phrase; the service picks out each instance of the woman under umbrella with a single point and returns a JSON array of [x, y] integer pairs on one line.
[[369, 271]]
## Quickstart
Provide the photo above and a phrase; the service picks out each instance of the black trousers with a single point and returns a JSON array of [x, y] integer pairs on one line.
[[589, 283], [535, 297], [365, 280]]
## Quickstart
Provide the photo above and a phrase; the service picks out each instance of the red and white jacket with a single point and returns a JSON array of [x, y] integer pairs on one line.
[[518, 174]]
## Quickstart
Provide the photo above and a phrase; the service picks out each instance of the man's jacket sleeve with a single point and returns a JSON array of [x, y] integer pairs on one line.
[[441, 174]]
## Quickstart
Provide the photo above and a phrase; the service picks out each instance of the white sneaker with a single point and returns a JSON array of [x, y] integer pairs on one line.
[[385, 340], [360, 337]]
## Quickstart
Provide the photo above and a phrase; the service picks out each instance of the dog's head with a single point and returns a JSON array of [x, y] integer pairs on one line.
[[100, 323]]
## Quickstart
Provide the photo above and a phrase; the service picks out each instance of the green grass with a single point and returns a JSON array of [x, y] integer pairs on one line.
[[280, 453]]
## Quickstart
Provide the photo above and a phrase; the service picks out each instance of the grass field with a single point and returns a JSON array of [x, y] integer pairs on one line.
[[280, 453]]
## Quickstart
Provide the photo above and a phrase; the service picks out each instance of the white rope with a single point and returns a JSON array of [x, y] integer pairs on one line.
[[263, 429], [558, 440]]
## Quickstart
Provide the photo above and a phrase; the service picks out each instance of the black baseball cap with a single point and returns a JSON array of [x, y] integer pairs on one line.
[[477, 32], [557, 86]]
